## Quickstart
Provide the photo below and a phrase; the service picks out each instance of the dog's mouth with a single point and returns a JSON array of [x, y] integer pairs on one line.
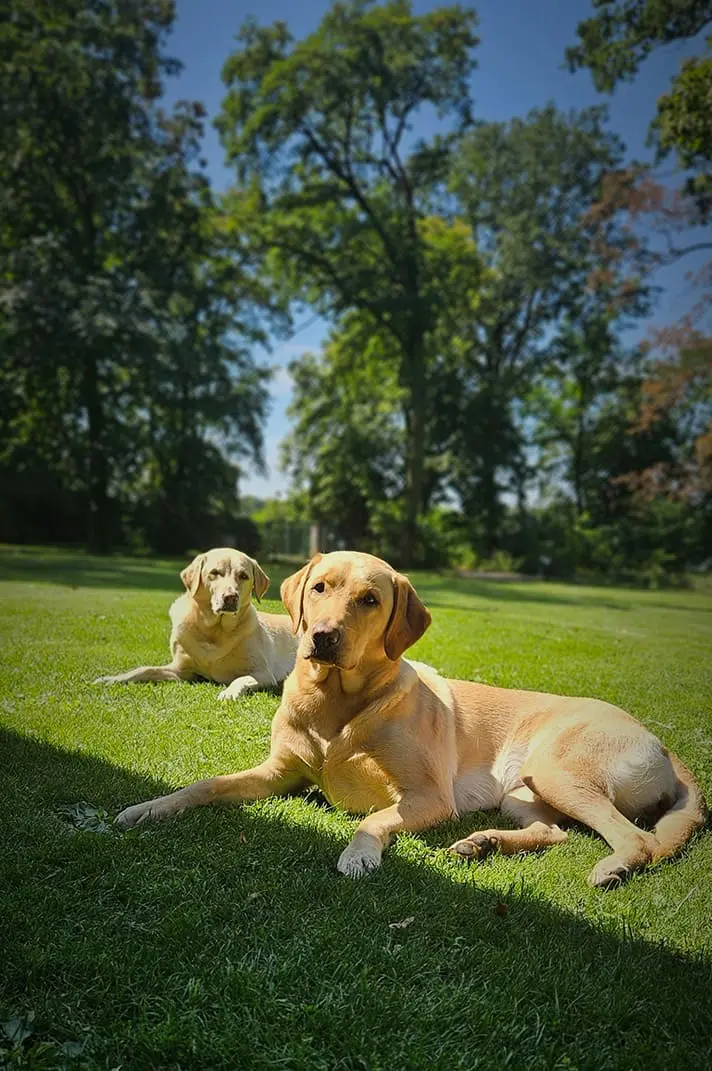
[[329, 661], [228, 608], [321, 658]]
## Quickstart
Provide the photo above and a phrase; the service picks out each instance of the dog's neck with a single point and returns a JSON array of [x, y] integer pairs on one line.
[[326, 699], [320, 677]]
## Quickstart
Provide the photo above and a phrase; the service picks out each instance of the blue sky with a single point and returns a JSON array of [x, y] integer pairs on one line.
[[520, 67]]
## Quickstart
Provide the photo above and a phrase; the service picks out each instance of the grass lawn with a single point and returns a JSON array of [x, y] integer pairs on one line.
[[226, 939]]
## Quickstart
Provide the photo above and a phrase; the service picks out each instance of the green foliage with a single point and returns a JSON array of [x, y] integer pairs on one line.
[[582, 386], [525, 189], [683, 121], [123, 366], [318, 131], [345, 450], [474, 282], [614, 42], [621, 36], [647, 543]]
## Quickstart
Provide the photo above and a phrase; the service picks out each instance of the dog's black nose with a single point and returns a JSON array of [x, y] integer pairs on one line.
[[325, 639], [229, 602]]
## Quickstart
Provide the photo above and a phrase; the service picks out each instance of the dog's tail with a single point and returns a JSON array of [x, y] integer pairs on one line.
[[687, 814]]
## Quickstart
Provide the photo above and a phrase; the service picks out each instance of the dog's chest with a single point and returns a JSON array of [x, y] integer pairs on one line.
[[219, 658], [356, 782], [350, 777]]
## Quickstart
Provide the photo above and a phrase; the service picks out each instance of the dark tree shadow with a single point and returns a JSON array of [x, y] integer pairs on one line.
[[440, 595], [75, 570], [537, 591], [227, 939], [70, 569]]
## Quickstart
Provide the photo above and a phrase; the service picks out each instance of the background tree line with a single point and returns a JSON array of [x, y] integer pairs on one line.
[[478, 395]]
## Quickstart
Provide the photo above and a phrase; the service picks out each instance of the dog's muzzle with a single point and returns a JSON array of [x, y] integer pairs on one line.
[[229, 604], [326, 641]]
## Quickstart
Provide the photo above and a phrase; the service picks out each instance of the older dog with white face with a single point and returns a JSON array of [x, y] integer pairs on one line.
[[217, 634], [395, 741]]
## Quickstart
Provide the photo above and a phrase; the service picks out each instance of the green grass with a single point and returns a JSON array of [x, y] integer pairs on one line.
[[226, 939]]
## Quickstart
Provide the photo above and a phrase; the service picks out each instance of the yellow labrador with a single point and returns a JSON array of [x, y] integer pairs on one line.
[[217, 634], [397, 742]]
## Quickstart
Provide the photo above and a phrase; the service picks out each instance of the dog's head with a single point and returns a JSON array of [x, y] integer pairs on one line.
[[223, 579], [353, 610]]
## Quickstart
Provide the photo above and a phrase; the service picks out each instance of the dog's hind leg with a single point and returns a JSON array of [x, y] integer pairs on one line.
[[539, 822], [146, 675], [580, 794]]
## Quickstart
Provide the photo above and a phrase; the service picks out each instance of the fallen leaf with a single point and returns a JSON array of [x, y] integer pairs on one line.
[[402, 924], [72, 1048], [18, 1028], [87, 817]]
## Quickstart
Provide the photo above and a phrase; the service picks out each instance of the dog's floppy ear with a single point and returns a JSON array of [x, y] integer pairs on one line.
[[260, 580], [292, 592], [192, 573], [408, 621]]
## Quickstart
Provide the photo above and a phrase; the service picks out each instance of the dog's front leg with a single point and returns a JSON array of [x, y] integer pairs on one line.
[[410, 814], [273, 777]]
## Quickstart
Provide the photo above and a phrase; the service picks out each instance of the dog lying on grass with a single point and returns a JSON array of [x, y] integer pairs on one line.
[[394, 740], [217, 634]]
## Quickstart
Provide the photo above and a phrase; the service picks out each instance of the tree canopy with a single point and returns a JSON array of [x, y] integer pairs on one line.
[[330, 182], [613, 44], [477, 397], [125, 332]]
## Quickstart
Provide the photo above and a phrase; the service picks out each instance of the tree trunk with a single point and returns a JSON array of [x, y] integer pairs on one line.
[[490, 503], [578, 476], [579, 452], [98, 476], [491, 449], [415, 455]]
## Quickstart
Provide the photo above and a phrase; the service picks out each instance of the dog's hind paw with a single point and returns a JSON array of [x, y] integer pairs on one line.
[[475, 847], [610, 873]]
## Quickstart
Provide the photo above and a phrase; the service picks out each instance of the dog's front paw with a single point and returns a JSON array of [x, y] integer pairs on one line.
[[108, 680], [475, 847], [361, 856], [133, 816], [240, 686]]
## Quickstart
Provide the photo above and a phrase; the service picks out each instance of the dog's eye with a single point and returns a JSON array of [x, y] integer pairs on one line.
[[242, 576], [369, 599], [213, 573], [319, 587]]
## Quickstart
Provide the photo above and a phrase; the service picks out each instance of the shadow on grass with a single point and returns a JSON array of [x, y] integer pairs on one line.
[[227, 939], [540, 592], [507, 592], [74, 569]]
